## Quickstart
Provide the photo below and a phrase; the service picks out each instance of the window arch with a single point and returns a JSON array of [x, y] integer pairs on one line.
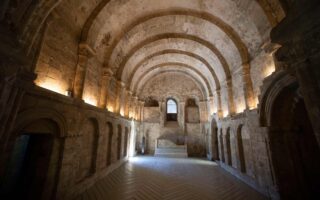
[[172, 107], [172, 110]]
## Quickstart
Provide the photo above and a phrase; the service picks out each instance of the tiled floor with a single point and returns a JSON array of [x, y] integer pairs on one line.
[[152, 178]]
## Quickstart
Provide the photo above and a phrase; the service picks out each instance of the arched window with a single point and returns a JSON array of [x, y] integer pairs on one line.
[[172, 110], [171, 107]]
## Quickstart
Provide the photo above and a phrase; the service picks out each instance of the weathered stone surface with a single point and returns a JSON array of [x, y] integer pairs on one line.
[[244, 98]]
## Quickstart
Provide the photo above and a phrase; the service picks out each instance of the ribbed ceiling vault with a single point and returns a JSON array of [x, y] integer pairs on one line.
[[214, 42]]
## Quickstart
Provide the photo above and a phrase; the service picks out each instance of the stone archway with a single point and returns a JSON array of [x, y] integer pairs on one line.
[[34, 165], [293, 146]]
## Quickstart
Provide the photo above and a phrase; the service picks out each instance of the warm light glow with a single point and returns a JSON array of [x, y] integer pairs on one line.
[[53, 85], [90, 100], [130, 114], [269, 70], [225, 113], [255, 104], [132, 141], [122, 112], [110, 108], [241, 107]]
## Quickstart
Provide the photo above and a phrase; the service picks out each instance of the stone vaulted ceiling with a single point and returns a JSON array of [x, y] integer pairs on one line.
[[222, 45]]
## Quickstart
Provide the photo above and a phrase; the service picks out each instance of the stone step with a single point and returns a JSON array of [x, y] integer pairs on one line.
[[177, 152]]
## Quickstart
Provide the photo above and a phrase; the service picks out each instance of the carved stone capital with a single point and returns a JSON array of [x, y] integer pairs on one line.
[[86, 50]]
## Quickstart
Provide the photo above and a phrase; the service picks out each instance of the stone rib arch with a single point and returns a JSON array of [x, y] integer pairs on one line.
[[189, 54], [171, 64], [172, 68], [28, 116], [140, 88], [233, 35], [195, 39], [121, 56], [133, 41]]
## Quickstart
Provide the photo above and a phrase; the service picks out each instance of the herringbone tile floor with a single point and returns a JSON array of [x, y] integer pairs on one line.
[[154, 178]]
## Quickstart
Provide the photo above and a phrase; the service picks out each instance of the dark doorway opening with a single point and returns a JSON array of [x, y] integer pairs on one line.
[[295, 152]]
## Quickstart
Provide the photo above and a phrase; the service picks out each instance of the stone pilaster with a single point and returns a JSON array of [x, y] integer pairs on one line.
[[85, 52], [106, 77], [248, 87], [182, 115], [203, 111], [162, 110], [231, 105], [119, 90], [211, 105], [219, 106], [128, 103], [140, 110]]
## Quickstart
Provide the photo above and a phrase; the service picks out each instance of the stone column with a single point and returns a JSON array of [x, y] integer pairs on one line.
[[85, 52], [140, 110], [135, 107], [128, 103], [106, 77], [162, 111], [119, 90], [182, 114], [231, 105], [211, 105], [248, 87], [219, 106], [123, 99]]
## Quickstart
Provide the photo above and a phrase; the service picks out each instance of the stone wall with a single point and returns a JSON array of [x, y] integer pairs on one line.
[[83, 133]]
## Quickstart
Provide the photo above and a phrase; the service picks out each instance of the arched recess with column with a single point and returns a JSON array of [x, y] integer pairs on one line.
[[222, 145], [88, 148], [109, 147], [37, 144], [292, 142], [228, 147], [241, 156], [214, 140], [119, 141]]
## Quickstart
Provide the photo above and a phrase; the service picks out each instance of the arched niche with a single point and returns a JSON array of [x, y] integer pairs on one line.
[[222, 145], [32, 171], [88, 148], [151, 102], [228, 145], [109, 146], [119, 141], [242, 160], [214, 140]]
